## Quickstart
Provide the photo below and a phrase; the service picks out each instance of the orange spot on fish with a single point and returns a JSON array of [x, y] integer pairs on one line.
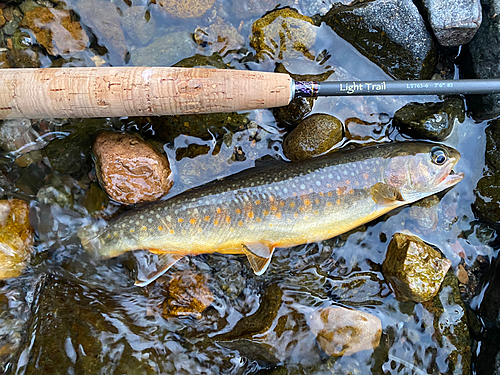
[[321, 194], [295, 215], [330, 194], [278, 215], [192, 221], [265, 212], [282, 204], [338, 201], [348, 182], [351, 191], [307, 202], [144, 228], [216, 222], [294, 194], [199, 230], [274, 207], [365, 175], [238, 211], [180, 220], [258, 219], [132, 230], [339, 192], [302, 208], [160, 228], [292, 204], [231, 229], [316, 212], [316, 201], [219, 211], [329, 204], [271, 199], [228, 219], [257, 202], [206, 218], [172, 231], [240, 223], [250, 214]]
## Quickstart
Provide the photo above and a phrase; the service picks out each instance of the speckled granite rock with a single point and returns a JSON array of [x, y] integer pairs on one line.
[[454, 22]]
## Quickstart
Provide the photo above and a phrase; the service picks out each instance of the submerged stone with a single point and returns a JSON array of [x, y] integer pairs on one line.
[[408, 51], [314, 136], [165, 51], [413, 269], [129, 169], [282, 35], [56, 30], [188, 295], [16, 237], [454, 22], [138, 24], [219, 37], [341, 331], [185, 8], [433, 121]]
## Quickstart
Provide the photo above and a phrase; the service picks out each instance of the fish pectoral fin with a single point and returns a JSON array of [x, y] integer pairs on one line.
[[259, 256], [384, 193], [149, 270]]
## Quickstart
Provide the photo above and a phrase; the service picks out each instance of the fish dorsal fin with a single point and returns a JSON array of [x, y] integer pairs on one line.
[[259, 256], [383, 193], [149, 268]]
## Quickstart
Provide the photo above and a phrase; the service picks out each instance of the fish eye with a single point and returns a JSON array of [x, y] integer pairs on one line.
[[438, 155]]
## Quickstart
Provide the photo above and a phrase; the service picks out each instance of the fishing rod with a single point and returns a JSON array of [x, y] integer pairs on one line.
[[156, 91]]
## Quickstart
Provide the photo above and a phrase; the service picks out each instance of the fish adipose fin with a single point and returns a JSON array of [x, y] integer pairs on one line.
[[383, 193], [259, 256], [151, 267]]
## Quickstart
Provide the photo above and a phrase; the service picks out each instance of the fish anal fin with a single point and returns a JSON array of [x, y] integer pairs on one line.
[[384, 193], [259, 256], [149, 270]]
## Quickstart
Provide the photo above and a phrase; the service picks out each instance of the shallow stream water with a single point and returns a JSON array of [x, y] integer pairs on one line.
[[69, 313]]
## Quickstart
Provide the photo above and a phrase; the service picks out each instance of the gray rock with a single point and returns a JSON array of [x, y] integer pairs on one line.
[[485, 52], [165, 51], [137, 24], [408, 51], [454, 22]]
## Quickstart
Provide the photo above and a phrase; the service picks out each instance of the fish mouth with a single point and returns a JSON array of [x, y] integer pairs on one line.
[[452, 179]]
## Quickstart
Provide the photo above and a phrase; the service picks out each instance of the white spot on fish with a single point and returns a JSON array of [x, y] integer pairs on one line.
[[150, 220], [302, 186], [318, 183]]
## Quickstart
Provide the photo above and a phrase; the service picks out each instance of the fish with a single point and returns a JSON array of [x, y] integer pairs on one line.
[[280, 207]]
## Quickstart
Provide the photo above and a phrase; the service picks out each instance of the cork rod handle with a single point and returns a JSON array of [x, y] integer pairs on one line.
[[136, 91]]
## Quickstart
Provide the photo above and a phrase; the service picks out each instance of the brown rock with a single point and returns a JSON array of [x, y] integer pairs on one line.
[[16, 237], [462, 275], [414, 270], [130, 169], [341, 331], [185, 8], [2, 18], [220, 37], [188, 294], [314, 136], [56, 30]]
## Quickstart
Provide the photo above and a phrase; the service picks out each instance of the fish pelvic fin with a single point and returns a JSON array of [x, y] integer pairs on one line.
[[149, 268], [384, 193], [259, 256]]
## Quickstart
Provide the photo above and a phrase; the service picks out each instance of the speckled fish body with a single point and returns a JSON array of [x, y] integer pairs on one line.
[[284, 206]]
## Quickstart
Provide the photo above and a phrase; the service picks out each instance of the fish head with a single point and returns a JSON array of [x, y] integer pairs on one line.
[[419, 169]]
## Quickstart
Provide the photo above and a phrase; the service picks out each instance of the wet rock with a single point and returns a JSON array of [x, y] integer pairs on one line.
[[251, 8], [16, 237], [487, 203], [360, 130], [96, 200], [104, 20], [258, 322], [219, 37], [408, 51], [130, 169], [426, 213], [433, 121], [341, 331], [188, 295], [451, 325], [253, 351], [165, 51], [56, 30], [314, 136], [138, 24], [413, 269], [462, 275], [2, 19], [282, 35], [454, 22], [485, 53], [185, 8]]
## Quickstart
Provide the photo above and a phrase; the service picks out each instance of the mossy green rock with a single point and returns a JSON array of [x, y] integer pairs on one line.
[[314, 136], [433, 121], [283, 34], [391, 33], [413, 269]]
